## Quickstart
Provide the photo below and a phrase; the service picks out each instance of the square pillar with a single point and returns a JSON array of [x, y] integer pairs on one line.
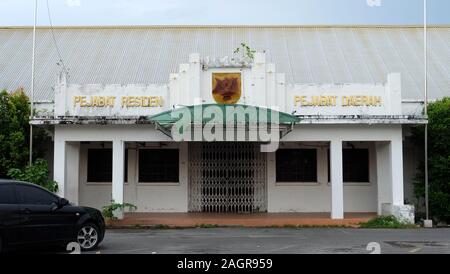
[[59, 164], [390, 173], [118, 173], [72, 173], [396, 155], [337, 184], [195, 69], [390, 180], [383, 174]]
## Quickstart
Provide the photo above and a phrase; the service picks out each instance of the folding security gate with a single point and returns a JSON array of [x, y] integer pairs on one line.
[[227, 178]]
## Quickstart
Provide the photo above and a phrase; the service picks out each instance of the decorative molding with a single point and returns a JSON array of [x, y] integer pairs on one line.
[[226, 62]]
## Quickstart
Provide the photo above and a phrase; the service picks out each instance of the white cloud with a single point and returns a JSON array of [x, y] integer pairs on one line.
[[73, 3], [374, 3]]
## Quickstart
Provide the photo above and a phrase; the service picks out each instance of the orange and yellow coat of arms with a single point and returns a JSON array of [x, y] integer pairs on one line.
[[226, 87]]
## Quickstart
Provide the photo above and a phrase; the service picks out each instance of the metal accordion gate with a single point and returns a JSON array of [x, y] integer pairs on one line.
[[227, 177]]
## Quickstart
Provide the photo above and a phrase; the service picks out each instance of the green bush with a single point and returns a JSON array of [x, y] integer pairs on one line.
[[108, 210], [15, 132], [37, 174], [385, 222], [438, 160]]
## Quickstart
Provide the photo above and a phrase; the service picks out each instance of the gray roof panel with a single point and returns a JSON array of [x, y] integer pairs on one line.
[[306, 54]]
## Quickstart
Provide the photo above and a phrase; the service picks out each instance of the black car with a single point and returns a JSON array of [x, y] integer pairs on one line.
[[31, 215]]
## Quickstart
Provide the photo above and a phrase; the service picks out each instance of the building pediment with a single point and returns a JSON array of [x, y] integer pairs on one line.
[[229, 80]]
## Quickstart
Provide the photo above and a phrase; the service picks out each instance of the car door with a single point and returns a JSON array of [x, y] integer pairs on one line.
[[41, 222], [9, 214]]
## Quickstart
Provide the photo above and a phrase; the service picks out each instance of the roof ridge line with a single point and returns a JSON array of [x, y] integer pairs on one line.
[[224, 26]]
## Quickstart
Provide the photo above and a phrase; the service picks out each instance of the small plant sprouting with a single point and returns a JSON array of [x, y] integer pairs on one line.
[[108, 210], [246, 51]]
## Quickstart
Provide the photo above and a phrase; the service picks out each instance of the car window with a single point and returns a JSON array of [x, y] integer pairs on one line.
[[30, 195], [7, 195]]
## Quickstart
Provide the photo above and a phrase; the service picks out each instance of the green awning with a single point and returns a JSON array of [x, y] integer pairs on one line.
[[231, 114], [172, 116]]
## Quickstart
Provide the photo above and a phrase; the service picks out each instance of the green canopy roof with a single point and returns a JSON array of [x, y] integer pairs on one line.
[[170, 117]]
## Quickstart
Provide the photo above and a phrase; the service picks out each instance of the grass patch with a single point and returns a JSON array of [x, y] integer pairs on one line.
[[207, 226], [386, 222], [292, 226], [160, 227], [138, 227]]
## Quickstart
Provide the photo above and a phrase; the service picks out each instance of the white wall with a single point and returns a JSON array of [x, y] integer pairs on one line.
[[316, 196], [65, 99], [282, 197], [262, 85], [148, 197], [155, 197]]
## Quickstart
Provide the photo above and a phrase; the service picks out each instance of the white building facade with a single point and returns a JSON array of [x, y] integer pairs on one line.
[[344, 154], [346, 97]]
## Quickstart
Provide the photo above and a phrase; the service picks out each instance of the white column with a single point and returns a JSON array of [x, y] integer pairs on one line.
[[183, 82], [396, 162], [281, 91], [273, 205], [258, 89], [383, 174], [195, 69], [184, 175], [72, 173], [390, 173], [337, 187], [59, 163], [118, 173], [271, 86], [132, 174]]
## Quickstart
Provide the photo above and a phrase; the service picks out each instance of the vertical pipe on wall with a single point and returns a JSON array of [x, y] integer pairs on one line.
[[32, 82], [426, 107]]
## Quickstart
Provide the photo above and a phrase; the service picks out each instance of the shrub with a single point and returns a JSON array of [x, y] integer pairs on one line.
[[15, 132], [37, 174], [385, 222], [108, 210], [438, 160]]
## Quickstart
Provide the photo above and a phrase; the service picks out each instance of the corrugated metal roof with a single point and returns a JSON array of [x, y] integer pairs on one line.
[[306, 54]]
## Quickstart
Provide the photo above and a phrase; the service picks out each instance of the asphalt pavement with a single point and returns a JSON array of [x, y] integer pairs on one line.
[[275, 241]]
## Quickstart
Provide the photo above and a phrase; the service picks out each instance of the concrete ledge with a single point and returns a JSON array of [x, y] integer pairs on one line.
[[244, 220], [363, 119], [94, 120], [405, 213], [304, 119], [428, 223]]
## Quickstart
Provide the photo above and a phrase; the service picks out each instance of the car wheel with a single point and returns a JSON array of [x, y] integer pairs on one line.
[[88, 236]]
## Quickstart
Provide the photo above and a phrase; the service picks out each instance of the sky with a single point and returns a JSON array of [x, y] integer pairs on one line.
[[223, 12]]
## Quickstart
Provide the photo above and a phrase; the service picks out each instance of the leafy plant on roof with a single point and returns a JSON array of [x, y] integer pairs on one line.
[[246, 51]]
